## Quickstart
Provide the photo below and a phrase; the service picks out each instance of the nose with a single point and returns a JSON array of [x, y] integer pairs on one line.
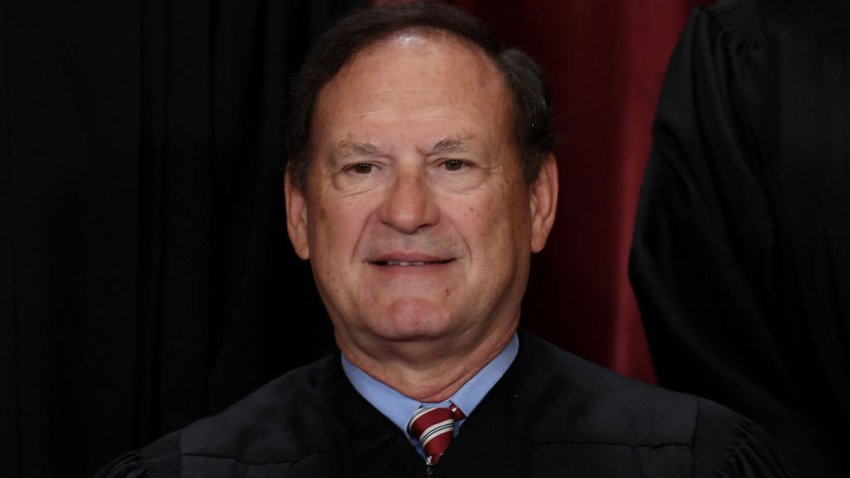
[[410, 205]]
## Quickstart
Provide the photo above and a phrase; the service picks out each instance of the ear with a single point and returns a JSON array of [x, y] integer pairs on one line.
[[296, 217], [543, 202]]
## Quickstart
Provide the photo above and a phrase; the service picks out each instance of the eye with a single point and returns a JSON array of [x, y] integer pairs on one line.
[[360, 168], [453, 164]]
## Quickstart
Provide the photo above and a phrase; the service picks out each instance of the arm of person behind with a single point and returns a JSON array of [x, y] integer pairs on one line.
[[703, 262]]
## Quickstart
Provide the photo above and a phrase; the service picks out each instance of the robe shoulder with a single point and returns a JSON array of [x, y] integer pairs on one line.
[[276, 425], [588, 405]]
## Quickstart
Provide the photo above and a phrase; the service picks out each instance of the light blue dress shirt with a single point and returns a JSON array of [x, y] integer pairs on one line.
[[399, 408]]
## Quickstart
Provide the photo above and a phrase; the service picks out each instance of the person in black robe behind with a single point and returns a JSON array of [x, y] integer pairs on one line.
[[741, 253], [421, 178]]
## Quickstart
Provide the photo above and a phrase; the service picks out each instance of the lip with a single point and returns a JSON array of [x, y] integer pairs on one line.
[[405, 259]]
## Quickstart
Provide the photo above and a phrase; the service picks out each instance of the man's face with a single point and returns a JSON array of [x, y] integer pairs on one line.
[[416, 218]]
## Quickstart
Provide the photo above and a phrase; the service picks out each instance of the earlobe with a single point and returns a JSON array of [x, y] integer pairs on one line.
[[296, 217], [543, 202]]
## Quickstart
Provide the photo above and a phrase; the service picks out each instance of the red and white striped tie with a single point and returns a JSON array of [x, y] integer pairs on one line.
[[434, 428]]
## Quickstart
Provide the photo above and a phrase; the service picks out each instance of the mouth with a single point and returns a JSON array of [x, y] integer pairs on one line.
[[402, 263], [410, 259]]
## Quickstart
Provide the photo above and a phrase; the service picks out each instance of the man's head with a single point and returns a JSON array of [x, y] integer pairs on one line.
[[532, 127], [418, 214]]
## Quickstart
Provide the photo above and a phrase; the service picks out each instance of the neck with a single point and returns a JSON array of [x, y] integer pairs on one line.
[[427, 371]]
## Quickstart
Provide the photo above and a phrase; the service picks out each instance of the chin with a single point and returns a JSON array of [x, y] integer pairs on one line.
[[413, 320]]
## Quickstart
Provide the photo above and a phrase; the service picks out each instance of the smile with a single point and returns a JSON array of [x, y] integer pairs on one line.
[[399, 263]]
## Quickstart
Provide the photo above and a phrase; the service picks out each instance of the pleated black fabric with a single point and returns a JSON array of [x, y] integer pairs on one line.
[[551, 414], [145, 274], [741, 254]]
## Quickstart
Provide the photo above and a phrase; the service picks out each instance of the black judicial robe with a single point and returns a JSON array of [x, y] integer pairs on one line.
[[741, 252], [551, 414]]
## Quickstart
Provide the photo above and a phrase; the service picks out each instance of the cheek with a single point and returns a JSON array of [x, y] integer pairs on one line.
[[504, 220], [487, 221], [336, 225]]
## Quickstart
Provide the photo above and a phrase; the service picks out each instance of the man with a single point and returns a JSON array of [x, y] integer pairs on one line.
[[421, 179]]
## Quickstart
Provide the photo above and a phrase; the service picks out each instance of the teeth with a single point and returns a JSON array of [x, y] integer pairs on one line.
[[405, 264]]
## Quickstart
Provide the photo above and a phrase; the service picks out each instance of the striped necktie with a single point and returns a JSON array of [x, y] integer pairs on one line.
[[434, 428]]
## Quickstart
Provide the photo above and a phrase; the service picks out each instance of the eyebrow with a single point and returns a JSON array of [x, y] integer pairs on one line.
[[348, 149], [450, 145]]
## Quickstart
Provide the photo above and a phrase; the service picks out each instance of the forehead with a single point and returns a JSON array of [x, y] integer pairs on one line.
[[415, 74], [425, 47]]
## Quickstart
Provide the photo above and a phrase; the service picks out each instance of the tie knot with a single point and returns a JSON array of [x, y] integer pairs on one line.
[[433, 427]]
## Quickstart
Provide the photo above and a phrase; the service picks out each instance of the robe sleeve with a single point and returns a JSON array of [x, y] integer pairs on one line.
[[739, 260], [701, 255], [129, 465], [730, 446], [160, 459]]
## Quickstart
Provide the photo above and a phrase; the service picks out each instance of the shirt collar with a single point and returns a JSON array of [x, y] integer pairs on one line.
[[398, 408]]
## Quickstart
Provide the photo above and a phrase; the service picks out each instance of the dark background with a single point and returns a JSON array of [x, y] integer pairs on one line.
[[145, 275]]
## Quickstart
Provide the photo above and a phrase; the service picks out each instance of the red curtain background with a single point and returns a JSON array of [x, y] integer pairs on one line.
[[605, 61]]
